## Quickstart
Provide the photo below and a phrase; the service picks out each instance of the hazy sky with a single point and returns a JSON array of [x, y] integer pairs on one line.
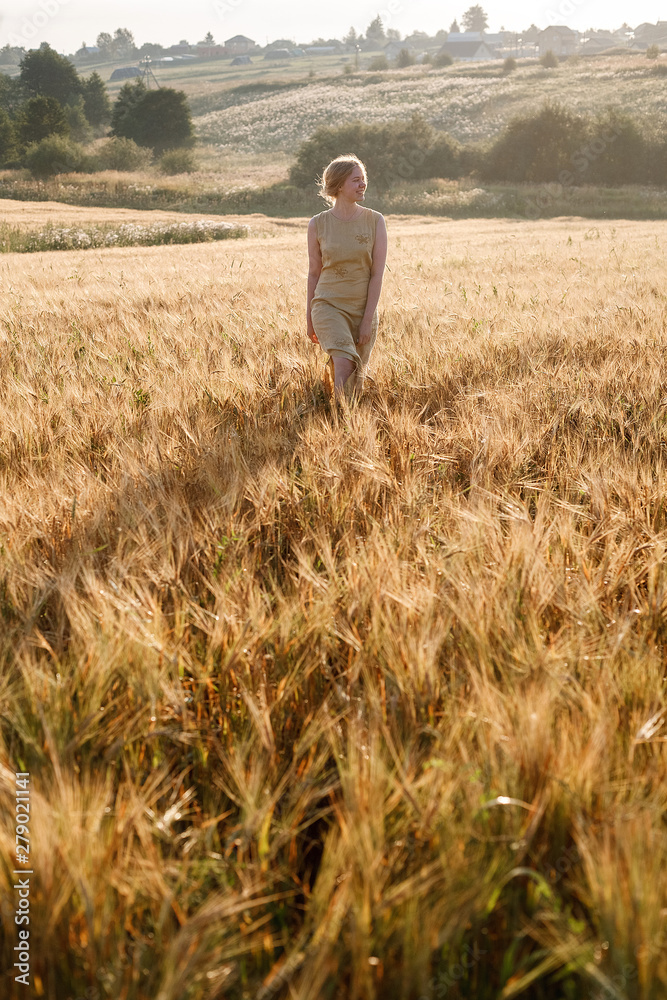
[[65, 24]]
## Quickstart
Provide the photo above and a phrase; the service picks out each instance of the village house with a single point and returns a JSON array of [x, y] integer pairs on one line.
[[651, 34], [557, 38], [239, 45], [468, 46]]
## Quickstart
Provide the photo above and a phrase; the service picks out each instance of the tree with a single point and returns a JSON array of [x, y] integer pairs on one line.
[[351, 38], [45, 73], [209, 39], [79, 127], [129, 96], [475, 19], [375, 31], [96, 103], [123, 41], [104, 43], [393, 35], [404, 59], [159, 119], [454, 28], [152, 49], [12, 94], [531, 34], [40, 117], [7, 138]]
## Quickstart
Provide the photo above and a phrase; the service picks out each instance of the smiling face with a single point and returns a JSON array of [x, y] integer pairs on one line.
[[354, 186]]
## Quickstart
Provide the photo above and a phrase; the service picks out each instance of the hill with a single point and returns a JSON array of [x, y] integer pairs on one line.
[[472, 103]]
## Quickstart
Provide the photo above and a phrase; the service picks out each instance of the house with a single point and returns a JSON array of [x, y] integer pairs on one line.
[[600, 41], [557, 38], [467, 46], [239, 45], [393, 48], [651, 34]]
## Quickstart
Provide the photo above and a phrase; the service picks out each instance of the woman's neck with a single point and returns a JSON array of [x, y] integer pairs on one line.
[[345, 210]]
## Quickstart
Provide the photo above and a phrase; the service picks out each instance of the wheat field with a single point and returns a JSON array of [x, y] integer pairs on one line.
[[360, 702]]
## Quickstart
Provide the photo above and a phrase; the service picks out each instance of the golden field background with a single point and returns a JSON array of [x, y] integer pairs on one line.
[[356, 703]]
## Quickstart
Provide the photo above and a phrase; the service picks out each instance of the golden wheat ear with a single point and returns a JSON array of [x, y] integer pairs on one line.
[[328, 378]]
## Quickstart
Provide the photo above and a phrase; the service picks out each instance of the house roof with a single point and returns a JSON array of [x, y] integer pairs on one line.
[[562, 29], [239, 38], [464, 49]]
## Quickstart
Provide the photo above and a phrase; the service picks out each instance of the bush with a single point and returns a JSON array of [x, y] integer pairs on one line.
[[442, 59], [378, 63], [392, 152], [404, 59], [509, 65], [549, 60], [178, 161], [616, 152], [653, 51], [56, 155], [123, 154], [536, 147], [443, 158]]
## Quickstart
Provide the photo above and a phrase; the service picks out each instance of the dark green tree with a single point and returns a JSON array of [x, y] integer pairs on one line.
[[129, 95], [12, 94], [45, 73], [475, 19], [96, 103], [123, 41], [375, 31], [8, 150], [40, 117], [160, 119], [104, 43]]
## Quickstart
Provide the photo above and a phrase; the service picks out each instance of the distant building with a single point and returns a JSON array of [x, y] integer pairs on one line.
[[239, 45], [651, 34], [204, 51], [321, 50], [467, 46], [557, 38], [278, 54], [393, 48]]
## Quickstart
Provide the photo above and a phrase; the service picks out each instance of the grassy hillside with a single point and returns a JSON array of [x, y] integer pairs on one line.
[[319, 704], [470, 102]]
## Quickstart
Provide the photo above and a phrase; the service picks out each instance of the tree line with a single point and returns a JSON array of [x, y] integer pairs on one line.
[[48, 100]]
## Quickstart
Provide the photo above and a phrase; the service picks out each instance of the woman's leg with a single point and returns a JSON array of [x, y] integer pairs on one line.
[[343, 368]]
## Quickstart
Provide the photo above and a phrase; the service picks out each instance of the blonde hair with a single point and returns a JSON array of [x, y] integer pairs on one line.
[[335, 175]]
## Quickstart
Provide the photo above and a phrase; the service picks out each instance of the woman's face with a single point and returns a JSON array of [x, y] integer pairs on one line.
[[354, 186]]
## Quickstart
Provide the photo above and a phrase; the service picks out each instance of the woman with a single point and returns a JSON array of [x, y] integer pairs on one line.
[[347, 251]]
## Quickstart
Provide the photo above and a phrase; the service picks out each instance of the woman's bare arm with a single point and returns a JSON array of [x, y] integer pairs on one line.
[[375, 283], [314, 271]]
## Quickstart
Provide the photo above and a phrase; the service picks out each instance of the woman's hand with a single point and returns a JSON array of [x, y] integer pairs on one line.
[[311, 333], [365, 330]]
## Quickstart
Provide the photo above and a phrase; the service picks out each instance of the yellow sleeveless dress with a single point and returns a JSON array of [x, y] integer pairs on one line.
[[339, 301]]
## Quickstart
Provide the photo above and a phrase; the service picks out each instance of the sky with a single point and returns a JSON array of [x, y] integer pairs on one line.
[[66, 24]]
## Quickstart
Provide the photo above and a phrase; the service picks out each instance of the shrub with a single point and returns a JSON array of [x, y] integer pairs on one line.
[[509, 65], [404, 59], [536, 147], [79, 127], [118, 153], [616, 151], [378, 63], [653, 51], [549, 60], [56, 155], [178, 161], [442, 59], [443, 158], [392, 152]]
